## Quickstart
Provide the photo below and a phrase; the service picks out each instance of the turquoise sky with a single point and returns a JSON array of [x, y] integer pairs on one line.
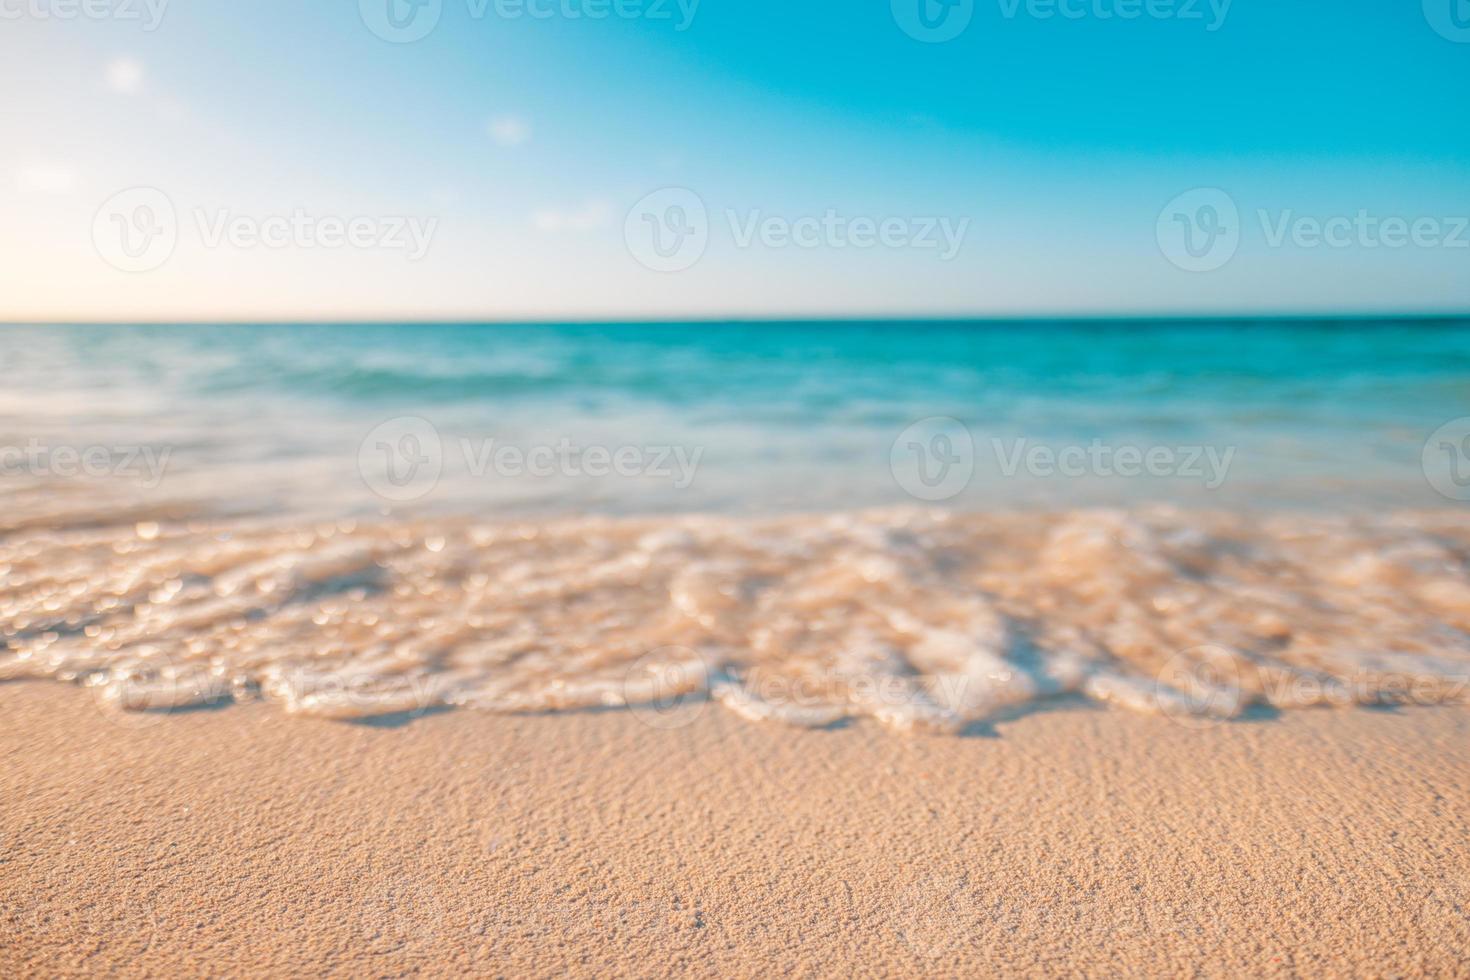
[[1069, 148]]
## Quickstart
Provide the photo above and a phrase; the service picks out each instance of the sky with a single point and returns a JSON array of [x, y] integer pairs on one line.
[[585, 159]]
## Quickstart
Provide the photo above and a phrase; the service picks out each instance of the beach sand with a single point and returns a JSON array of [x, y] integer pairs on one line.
[[1070, 840]]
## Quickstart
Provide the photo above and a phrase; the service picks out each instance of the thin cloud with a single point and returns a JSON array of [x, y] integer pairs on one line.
[[589, 217], [510, 130]]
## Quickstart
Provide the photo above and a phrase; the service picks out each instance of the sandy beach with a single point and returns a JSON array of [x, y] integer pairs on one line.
[[673, 489], [1069, 840]]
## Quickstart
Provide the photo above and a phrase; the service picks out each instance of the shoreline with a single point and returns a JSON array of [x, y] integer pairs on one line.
[[1068, 840], [922, 620]]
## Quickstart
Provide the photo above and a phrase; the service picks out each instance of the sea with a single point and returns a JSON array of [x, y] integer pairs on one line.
[[918, 524]]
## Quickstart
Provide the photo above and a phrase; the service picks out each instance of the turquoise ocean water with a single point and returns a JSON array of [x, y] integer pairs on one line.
[[769, 417]]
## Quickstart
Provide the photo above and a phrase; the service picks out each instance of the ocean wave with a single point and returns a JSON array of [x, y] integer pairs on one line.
[[923, 621]]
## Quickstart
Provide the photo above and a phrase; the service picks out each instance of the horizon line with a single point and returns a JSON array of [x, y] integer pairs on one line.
[[713, 320]]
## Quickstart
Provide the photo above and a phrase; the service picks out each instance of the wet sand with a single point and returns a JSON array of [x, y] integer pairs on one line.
[[1071, 839]]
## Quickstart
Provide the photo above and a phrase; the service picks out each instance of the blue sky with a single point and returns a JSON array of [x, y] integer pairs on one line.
[[1058, 142]]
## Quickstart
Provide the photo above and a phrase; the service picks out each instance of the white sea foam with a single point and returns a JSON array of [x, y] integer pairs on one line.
[[923, 621]]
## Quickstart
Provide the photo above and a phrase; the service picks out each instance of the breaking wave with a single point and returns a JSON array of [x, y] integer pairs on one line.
[[921, 620]]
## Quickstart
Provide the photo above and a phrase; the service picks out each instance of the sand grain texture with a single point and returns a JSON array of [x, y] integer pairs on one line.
[[1072, 840]]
